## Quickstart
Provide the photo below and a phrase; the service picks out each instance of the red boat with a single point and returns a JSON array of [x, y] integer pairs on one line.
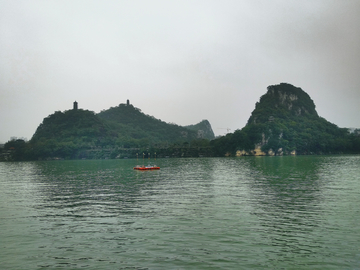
[[146, 168]]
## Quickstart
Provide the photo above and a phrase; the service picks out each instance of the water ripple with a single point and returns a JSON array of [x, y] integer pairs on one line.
[[243, 213]]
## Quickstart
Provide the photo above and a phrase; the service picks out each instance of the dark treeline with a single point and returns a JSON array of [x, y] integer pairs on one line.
[[20, 150]]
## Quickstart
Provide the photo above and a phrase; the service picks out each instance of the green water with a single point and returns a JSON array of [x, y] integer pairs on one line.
[[206, 213]]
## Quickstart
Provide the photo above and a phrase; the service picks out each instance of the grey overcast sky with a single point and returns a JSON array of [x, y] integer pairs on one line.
[[179, 61]]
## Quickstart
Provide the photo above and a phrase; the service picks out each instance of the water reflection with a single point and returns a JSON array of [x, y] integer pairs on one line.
[[286, 181], [287, 197], [221, 213], [90, 188], [112, 188]]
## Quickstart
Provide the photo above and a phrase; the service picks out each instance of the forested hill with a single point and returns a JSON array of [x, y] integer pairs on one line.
[[62, 134], [203, 129], [132, 125], [285, 102], [285, 121], [81, 133]]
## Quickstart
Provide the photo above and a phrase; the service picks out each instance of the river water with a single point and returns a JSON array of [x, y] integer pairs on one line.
[[298, 212]]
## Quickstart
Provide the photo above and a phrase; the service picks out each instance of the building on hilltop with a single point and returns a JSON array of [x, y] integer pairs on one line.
[[75, 106], [125, 104]]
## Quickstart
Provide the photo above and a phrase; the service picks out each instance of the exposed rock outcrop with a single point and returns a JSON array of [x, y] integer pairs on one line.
[[203, 129], [285, 122]]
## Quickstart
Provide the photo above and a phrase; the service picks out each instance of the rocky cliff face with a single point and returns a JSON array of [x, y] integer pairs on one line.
[[282, 101], [285, 121], [203, 129]]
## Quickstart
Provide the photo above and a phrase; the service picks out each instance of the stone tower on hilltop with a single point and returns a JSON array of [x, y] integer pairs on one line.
[[75, 106]]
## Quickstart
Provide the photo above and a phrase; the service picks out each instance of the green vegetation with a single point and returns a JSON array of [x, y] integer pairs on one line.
[[123, 131], [66, 135], [135, 129], [283, 122], [14, 150], [203, 129]]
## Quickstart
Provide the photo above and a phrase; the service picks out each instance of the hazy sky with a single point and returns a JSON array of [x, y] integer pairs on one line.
[[179, 61]]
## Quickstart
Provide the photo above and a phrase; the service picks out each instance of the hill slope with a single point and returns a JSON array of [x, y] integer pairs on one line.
[[63, 134], [285, 121], [134, 127], [284, 102], [203, 130], [76, 133]]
